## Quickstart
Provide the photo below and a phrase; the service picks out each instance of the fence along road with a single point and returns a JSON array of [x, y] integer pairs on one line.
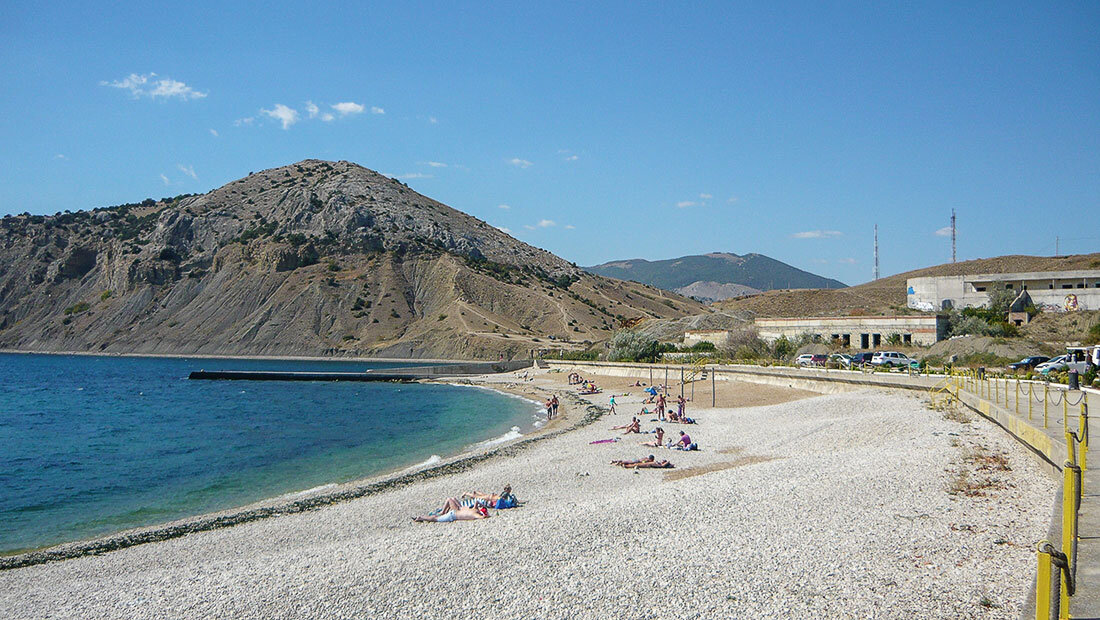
[[1049, 419]]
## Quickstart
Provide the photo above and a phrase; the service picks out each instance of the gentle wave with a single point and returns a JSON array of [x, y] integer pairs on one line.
[[506, 437], [432, 460], [323, 487]]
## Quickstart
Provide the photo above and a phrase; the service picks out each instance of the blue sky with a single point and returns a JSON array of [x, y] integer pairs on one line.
[[598, 131]]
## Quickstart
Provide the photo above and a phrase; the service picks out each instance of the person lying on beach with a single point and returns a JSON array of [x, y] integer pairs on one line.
[[651, 465], [622, 463], [504, 500], [453, 510], [633, 421], [659, 441]]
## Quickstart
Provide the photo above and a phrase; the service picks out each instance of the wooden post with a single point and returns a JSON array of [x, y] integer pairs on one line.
[[712, 389], [681, 381]]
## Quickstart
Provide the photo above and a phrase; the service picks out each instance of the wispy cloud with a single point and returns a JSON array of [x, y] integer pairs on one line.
[[686, 203], [433, 120], [408, 175], [165, 179], [348, 108], [60, 156], [571, 158], [241, 122], [944, 232], [847, 261], [214, 132], [376, 110], [732, 200], [505, 207], [706, 196], [569, 227], [147, 85], [283, 114], [817, 234], [504, 230], [188, 170], [327, 117], [312, 110], [520, 163], [436, 164], [528, 227], [546, 223]]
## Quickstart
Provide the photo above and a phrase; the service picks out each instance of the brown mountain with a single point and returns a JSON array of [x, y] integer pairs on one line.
[[887, 295], [315, 258]]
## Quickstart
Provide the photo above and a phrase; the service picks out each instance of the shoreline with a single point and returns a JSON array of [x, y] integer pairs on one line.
[[287, 358], [329, 493]]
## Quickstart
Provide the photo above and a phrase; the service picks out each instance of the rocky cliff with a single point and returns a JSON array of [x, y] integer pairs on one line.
[[315, 258]]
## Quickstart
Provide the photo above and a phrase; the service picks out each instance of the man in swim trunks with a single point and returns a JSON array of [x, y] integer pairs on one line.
[[505, 500]]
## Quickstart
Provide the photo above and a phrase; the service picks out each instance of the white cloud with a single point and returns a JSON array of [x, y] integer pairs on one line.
[[165, 179], [145, 85], [520, 163], [528, 227], [820, 261], [326, 117], [408, 175], [286, 116], [686, 203], [732, 200], [433, 120], [571, 158], [244, 121], [817, 234], [505, 207], [347, 108], [60, 156], [214, 132], [706, 196], [546, 223], [312, 109], [188, 170], [944, 232], [376, 110], [569, 227], [436, 164], [847, 261], [504, 230]]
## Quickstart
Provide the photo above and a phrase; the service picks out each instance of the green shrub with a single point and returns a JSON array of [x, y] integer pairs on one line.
[[77, 308], [105, 295], [783, 348]]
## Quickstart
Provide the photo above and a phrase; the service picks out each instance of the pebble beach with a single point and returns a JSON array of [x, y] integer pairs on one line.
[[858, 504]]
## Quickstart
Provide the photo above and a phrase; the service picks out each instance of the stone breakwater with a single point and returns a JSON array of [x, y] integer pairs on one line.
[[864, 504]]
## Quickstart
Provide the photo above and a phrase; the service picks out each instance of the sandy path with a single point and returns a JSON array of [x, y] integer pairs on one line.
[[827, 506]]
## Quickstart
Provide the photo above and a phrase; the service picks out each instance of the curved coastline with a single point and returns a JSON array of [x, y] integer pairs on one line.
[[332, 493]]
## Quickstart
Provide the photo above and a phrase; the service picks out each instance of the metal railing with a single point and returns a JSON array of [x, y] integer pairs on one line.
[[1056, 579]]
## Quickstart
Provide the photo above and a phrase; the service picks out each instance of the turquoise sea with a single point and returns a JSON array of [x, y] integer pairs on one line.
[[91, 445]]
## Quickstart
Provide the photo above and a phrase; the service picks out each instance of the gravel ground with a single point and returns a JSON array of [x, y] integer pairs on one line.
[[848, 505]]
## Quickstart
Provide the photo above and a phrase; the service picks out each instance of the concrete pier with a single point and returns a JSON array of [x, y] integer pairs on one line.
[[414, 373]]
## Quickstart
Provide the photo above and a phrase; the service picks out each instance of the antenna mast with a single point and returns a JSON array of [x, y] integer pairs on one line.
[[952, 235], [876, 251]]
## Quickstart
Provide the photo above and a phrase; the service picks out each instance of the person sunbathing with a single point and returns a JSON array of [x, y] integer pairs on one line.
[[651, 465], [659, 441], [633, 423], [453, 510], [622, 463], [500, 502]]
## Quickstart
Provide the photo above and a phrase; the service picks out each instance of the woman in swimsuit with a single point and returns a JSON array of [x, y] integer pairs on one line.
[[505, 500], [659, 441], [453, 510]]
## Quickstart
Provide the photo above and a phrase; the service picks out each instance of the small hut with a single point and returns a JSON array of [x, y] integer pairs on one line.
[[1018, 309]]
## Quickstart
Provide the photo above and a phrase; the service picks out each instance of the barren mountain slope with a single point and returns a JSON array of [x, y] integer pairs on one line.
[[308, 259], [887, 295]]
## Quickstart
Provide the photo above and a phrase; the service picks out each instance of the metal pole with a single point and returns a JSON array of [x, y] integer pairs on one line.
[[681, 381], [666, 380], [712, 389]]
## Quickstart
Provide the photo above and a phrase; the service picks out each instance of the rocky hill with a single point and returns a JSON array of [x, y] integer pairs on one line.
[[315, 258], [703, 274], [887, 295]]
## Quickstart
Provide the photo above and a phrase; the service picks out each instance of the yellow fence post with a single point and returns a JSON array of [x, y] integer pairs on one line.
[[1042, 582]]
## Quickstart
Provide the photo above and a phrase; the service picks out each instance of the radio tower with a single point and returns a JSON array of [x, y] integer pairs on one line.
[[952, 235], [876, 251]]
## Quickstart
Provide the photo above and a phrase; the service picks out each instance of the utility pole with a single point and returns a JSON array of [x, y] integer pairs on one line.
[[876, 252], [952, 235], [1056, 241]]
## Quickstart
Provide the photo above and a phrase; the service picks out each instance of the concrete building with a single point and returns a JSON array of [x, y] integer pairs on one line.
[[857, 332], [1049, 290], [717, 337]]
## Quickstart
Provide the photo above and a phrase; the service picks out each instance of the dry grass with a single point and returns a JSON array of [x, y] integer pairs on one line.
[[688, 472], [982, 479]]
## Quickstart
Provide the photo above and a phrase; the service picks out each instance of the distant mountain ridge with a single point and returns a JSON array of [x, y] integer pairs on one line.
[[704, 272]]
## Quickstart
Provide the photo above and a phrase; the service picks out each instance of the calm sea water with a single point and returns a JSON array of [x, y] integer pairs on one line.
[[94, 445]]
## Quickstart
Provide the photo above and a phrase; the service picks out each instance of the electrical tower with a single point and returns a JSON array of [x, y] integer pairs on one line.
[[952, 235], [876, 252]]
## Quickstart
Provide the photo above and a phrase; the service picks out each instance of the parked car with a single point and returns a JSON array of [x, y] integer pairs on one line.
[[888, 359], [1028, 362], [1058, 363], [804, 360], [841, 360], [859, 359]]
